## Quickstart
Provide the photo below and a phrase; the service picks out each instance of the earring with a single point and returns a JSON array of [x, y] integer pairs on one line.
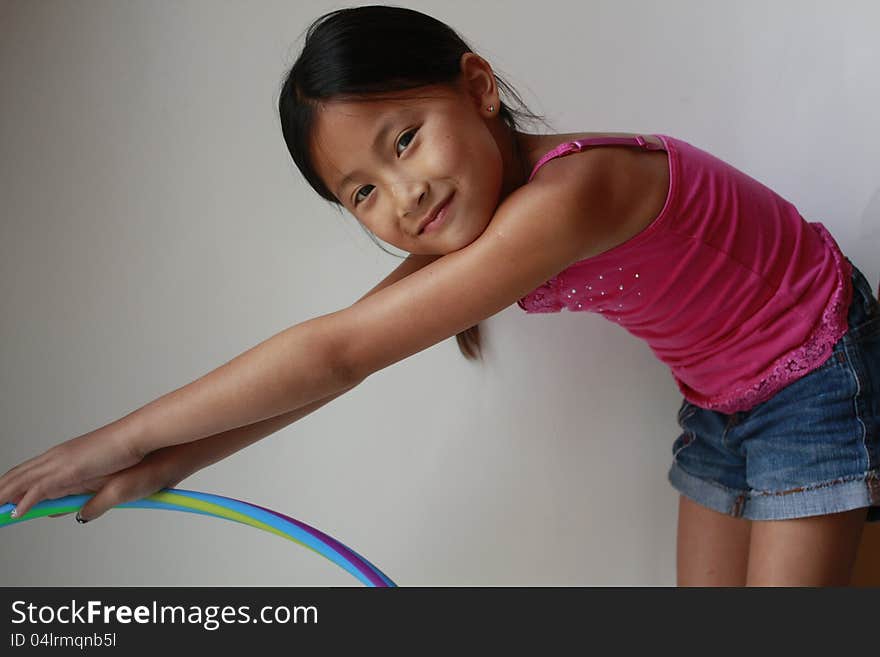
[[491, 108]]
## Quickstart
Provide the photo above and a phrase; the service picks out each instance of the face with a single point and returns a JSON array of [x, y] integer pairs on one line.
[[392, 162]]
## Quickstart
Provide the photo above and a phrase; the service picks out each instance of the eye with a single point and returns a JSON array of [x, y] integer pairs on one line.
[[357, 198], [408, 132]]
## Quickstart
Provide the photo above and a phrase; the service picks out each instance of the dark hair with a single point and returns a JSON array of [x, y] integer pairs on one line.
[[359, 51]]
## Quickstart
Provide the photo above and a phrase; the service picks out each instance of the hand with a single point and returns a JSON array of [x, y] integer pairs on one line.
[[157, 470], [80, 465]]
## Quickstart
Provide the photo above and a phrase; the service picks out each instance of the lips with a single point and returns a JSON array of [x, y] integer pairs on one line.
[[434, 214]]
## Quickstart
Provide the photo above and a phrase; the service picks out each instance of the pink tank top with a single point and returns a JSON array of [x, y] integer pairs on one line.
[[729, 285]]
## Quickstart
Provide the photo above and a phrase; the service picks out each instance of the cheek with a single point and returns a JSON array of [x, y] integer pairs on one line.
[[471, 159], [448, 157], [485, 166]]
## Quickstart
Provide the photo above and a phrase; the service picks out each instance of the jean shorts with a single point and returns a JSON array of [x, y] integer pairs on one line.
[[811, 449]]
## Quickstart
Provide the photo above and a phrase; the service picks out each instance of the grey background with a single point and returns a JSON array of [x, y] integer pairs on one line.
[[152, 227]]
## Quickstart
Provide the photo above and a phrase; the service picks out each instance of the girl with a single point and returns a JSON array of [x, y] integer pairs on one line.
[[770, 332]]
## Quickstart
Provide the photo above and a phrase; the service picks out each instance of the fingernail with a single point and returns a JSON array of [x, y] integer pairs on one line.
[[80, 519]]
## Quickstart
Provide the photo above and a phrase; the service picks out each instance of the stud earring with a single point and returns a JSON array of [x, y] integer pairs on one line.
[[491, 108]]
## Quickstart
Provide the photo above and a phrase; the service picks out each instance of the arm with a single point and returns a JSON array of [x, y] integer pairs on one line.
[[536, 232], [539, 230], [410, 264], [109, 462], [193, 456], [235, 394]]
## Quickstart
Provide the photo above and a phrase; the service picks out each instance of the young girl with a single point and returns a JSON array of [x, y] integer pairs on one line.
[[770, 332]]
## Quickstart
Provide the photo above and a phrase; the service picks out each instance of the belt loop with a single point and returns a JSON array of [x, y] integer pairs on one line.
[[874, 487]]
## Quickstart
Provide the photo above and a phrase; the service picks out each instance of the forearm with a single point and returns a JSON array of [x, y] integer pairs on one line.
[[193, 456], [259, 385], [286, 372]]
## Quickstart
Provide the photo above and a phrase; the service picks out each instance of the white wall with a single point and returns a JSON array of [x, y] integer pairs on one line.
[[152, 227]]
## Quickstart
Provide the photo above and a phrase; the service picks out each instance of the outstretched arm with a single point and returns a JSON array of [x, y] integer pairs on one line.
[[193, 456], [258, 384], [536, 232], [161, 468], [539, 230]]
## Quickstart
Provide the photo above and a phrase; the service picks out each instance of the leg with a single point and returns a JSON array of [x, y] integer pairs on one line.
[[813, 551], [712, 548]]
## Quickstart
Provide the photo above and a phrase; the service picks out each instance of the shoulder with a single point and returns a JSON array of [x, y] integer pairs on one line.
[[572, 198], [620, 190], [596, 175], [536, 232]]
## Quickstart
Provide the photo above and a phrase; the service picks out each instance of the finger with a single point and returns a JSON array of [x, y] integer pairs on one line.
[[35, 468], [43, 483], [133, 483], [87, 487], [111, 494], [18, 468], [28, 483], [21, 476], [12, 482], [30, 498], [24, 465]]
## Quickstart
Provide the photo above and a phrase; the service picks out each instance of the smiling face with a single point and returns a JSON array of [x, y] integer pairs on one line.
[[392, 162]]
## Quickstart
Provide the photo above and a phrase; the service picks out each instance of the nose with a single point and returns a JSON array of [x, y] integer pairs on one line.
[[410, 197]]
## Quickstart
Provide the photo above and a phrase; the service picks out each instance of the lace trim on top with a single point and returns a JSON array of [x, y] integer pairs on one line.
[[803, 359], [542, 299]]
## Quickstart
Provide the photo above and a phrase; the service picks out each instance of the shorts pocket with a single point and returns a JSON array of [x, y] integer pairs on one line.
[[864, 313], [684, 440], [685, 411]]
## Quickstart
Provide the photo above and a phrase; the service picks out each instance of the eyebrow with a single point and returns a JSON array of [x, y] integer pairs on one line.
[[379, 138]]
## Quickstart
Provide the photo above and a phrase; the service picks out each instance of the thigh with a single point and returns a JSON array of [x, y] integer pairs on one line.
[[712, 548], [814, 551]]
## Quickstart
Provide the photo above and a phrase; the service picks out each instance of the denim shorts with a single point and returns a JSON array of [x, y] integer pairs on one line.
[[811, 449]]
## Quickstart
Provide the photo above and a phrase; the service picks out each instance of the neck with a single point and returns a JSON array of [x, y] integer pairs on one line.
[[515, 148]]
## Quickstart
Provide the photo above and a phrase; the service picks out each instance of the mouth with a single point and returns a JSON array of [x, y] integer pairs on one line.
[[437, 218]]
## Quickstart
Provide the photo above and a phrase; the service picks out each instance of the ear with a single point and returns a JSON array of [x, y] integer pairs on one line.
[[478, 81]]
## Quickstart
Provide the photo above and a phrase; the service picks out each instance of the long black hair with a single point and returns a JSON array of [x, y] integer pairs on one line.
[[355, 52]]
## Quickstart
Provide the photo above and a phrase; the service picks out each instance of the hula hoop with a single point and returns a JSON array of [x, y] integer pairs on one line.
[[227, 508]]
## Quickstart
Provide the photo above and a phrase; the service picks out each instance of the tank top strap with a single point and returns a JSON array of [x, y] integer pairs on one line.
[[580, 144]]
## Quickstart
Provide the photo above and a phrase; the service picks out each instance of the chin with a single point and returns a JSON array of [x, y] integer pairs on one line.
[[467, 240]]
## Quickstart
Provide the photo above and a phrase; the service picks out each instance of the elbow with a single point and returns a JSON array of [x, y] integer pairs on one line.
[[345, 372], [336, 354]]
